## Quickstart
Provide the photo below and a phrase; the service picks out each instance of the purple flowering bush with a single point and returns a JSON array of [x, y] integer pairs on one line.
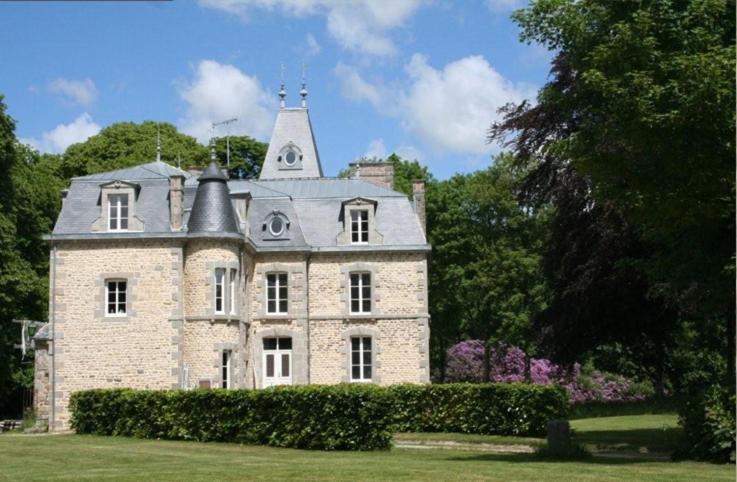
[[465, 363]]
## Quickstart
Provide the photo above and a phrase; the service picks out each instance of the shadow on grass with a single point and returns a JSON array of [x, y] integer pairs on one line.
[[651, 439], [533, 458]]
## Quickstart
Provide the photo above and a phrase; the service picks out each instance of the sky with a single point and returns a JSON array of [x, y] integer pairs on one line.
[[422, 78]]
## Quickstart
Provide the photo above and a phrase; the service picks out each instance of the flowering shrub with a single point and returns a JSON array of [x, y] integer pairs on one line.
[[510, 364]]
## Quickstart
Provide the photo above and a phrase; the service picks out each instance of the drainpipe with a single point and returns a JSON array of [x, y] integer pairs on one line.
[[52, 421]]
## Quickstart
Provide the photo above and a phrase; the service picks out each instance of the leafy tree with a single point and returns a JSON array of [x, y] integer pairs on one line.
[[641, 108], [485, 278], [126, 144], [246, 156], [29, 201]]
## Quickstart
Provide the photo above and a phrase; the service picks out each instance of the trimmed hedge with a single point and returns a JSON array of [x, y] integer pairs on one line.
[[336, 417], [339, 417], [488, 409]]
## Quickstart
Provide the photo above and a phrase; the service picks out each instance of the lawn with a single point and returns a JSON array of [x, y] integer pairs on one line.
[[83, 457], [640, 433]]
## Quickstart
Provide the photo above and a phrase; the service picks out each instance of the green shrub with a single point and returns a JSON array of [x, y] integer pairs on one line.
[[708, 422], [489, 409], [338, 417]]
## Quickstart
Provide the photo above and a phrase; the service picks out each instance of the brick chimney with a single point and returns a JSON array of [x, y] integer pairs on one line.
[[176, 201], [379, 173], [418, 194]]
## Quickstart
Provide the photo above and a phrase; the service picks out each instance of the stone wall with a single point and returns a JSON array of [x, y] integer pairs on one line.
[[139, 350], [41, 382]]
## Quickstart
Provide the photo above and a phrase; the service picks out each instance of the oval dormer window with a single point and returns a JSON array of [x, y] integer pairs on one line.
[[276, 226], [290, 158]]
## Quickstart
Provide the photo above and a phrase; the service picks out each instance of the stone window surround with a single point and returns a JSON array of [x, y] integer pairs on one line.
[[345, 286], [362, 330], [282, 163], [266, 227], [130, 295], [374, 237], [118, 187], [219, 348], [300, 360], [293, 309], [227, 266]]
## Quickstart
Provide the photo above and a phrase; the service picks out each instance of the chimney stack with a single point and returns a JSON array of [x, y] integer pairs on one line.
[[176, 201], [418, 194], [378, 173]]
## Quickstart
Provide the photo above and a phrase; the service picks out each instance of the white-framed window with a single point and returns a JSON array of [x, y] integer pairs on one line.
[[219, 291], [277, 293], [226, 368], [360, 293], [277, 361], [116, 296], [233, 283], [361, 359], [117, 212], [359, 226], [276, 226]]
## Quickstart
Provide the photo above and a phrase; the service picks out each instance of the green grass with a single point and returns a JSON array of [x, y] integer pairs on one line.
[[639, 433], [83, 457], [467, 438]]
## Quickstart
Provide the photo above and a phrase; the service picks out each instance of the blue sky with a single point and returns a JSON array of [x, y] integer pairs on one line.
[[421, 78]]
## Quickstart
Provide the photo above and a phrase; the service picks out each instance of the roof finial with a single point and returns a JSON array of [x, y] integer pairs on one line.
[[282, 92], [303, 91], [213, 156], [158, 143]]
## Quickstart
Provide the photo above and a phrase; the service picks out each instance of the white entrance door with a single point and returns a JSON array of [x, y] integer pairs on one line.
[[277, 362]]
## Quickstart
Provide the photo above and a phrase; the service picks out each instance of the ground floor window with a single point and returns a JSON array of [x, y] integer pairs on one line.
[[361, 359], [226, 368], [277, 363]]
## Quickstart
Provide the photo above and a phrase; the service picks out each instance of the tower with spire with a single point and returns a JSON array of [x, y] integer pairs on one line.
[[292, 151]]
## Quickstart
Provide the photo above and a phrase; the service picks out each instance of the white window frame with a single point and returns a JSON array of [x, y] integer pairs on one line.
[[219, 285], [362, 365], [359, 225], [361, 298], [226, 369], [277, 292], [114, 212], [117, 313], [278, 354], [233, 291]]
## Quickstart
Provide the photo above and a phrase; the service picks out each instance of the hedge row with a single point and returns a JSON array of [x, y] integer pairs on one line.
[[336, 417], [340, 417], [488, 409]]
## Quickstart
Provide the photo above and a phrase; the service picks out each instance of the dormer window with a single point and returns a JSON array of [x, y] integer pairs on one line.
[[117, 212], [290, 158], [276, 226], [359, 226]]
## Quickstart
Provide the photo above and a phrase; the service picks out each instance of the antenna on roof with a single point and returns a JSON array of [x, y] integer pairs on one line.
[[227, 135], [303, 91], [282, 92], [158, 143]]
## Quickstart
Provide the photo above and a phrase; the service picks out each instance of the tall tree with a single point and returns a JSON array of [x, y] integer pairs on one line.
[[640, 109], [246, 156], [485, 268]]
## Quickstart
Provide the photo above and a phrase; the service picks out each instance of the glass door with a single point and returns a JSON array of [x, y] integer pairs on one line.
[[277, 363]]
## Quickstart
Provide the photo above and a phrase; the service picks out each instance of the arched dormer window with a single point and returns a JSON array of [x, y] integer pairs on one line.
[[276, 226], [290, 157]]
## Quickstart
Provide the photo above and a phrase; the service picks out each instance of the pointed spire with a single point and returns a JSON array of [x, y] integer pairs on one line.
[[158, 144], [303, 91], [282, 92]]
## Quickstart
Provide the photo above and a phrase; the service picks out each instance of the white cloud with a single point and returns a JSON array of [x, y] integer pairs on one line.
[[376, 149], [313, 48], [449, 109], [503, 6], [409, 153], [82, 92], [64, 135], [357, 25], [220, 92]]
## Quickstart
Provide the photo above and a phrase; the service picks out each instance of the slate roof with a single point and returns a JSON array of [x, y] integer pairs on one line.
[[312, 206], [292, 127], [212, 210]]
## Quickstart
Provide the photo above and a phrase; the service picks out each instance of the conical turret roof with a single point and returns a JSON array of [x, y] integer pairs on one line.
[[212, 211]]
